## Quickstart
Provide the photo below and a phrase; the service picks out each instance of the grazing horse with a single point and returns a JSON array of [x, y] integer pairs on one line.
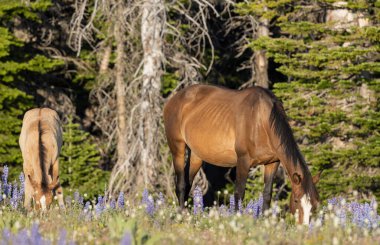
[[231, 128], [40, 142]]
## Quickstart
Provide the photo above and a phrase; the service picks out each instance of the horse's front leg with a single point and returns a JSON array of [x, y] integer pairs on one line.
[[242, 168], [269, 173]]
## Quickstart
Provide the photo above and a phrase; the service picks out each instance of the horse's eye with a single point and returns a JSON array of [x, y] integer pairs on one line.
[[296, 201]]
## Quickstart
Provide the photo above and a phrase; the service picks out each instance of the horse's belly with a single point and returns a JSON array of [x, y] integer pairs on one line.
[[219, 151], [225, 158]]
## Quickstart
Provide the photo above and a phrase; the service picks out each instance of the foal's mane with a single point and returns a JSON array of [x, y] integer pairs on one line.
[[279, 123]]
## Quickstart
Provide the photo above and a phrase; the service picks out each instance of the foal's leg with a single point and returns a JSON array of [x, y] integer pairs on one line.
[[242, 168], [58, 190], [28, 190], [269, 173]]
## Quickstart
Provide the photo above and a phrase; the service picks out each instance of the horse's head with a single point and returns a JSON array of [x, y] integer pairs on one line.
[[304, 198], [43, 195]]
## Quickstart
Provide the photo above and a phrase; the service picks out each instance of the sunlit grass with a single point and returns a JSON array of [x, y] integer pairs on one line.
[[150, 218]]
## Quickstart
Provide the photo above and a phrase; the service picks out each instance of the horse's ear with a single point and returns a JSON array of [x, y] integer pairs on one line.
[[317, 177], [34, 183], [296, 178]]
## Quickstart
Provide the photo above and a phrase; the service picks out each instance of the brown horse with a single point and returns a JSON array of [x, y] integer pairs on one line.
[[237, 128], [40, 142]]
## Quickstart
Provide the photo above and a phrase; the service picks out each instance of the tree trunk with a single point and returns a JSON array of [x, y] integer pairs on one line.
[[260, 60], [105, 59], [120, 86], [152, 25]]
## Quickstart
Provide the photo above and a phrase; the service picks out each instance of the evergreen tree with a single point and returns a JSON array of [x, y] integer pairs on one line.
[[331, 98], [20, 65], [79, 161]]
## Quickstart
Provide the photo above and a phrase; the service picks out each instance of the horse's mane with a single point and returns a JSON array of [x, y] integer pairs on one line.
[[279, 123]]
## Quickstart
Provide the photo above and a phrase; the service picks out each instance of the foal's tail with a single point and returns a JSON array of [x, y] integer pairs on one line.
[[40, 173], [42, 152]]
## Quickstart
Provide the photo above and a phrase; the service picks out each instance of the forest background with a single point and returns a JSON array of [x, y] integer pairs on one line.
[[107, 68]]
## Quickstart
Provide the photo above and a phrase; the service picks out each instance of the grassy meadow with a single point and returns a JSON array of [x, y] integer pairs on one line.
[[151, 218]]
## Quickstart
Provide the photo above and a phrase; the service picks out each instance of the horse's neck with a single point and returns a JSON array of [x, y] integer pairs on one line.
[[295, 168]]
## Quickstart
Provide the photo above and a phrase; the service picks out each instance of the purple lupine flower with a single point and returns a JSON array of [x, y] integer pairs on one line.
[[15, 197], [4, 177], [8, 190], [249, 207], [198, 200], [68, 201], [127, 239], [113, 204], [21, 238], [1, 196], [232, 204], [333, 201], [62, 237], [341, 214], [35, 235], [81, 200], [261, 202], [311, 226], [240, 206], [145, 196], [87, 206], [6, 236], [150, 206], [120, 200], [21, 177], [257, 208], [148, 202], [76, 197], [223, 210], [99, 207]]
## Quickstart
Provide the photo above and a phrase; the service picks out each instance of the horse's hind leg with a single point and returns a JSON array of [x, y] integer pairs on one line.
[[269, 173], [195, 165], [177, 149]]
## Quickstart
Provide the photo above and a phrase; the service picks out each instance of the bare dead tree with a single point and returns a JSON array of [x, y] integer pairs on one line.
[[120, 83], [260, 58], [127, 99], [252, 28]]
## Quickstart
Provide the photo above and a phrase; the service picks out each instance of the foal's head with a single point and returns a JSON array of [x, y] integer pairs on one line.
[[43, 195], [304, 198]]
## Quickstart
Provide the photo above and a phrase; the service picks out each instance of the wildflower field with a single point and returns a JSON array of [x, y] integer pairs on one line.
[[150, 218]]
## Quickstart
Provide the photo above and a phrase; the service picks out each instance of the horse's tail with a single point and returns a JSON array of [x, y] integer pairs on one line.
[[42, 152]]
